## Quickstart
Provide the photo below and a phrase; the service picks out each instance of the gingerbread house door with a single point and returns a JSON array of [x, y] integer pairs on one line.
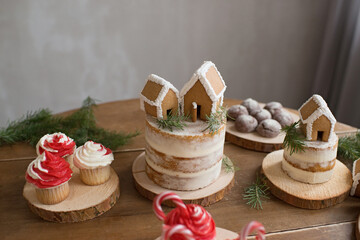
[[196, 111]]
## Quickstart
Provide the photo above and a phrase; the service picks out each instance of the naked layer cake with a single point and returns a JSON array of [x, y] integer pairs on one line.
[[316, 162], [186, 158]]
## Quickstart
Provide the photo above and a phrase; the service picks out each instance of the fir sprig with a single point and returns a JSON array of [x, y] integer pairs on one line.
[[349, 147], [293, 138], [215, 120], [80, 125], [256, 193], [228, 165], [172, 121]]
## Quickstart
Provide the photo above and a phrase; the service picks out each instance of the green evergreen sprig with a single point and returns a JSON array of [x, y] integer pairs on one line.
[[229, 165], [215, 120], [80, 126], [349, 147], [256, 193], [293, 138], [172, 121]]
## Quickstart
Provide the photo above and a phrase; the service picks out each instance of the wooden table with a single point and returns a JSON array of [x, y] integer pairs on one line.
[[132, 217]]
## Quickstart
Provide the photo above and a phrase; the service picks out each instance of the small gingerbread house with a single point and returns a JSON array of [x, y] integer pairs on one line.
[[355, 189], [317, 121], [204, 93], [159, 97]]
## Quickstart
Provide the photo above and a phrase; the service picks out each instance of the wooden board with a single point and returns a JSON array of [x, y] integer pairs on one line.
[[357, 228], [222, 234], [83, 203], [253, 140], [204, 197], [310, 196]]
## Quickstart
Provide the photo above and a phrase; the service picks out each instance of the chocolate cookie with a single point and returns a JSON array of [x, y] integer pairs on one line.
[[251, 105], [284, 118], [245, 123], [262, 115], [269, 128], [237, 110]]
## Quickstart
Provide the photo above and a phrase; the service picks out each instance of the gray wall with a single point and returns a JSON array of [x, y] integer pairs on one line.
[[55, 53]]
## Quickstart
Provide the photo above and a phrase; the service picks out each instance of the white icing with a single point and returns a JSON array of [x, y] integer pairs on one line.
[[322, 110], [306, 165], [188, 183], [181, 174], [354, 167], [92, 155], [194, 105], [316, 154], [356, 179], [49, 138], [166, 86], [306, 176], [183, 164], [200, 75], [37, 164], [188, 143]]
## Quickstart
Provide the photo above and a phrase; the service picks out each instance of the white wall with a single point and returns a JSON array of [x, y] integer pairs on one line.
[[55, 53]]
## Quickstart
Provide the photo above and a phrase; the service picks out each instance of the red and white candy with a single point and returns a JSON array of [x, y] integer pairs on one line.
[[193, 222]]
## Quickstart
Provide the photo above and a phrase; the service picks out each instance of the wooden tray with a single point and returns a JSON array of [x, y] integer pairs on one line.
[[222, 234], [204, 197], [310, 196], [253, 140], [83, 203]]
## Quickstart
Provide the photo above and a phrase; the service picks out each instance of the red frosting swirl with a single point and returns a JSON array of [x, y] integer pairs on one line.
[[58, 144], [195, 218], [48, 170]]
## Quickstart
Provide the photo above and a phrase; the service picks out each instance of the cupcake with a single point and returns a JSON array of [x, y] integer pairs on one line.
[[58, 144], [93, 160], [50, 175]]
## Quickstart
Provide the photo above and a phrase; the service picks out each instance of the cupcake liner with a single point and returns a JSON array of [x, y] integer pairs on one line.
[[53, 195], [70, 160], [95, 176]]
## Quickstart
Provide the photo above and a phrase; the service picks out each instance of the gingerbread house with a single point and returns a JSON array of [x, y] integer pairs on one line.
[[159, 97], [204, 93], [317, 121]]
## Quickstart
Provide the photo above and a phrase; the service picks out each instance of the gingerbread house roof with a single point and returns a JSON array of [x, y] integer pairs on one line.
[[321, 110], [155, 91], [214, 88]]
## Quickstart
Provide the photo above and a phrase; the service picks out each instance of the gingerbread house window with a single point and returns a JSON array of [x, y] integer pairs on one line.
[[202, 95], [159, 98], [317, 121]]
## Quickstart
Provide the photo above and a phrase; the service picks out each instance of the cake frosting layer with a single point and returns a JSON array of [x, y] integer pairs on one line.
[[306, 176], [185, 165], [191, 142], [92, 155], [315, 151], [57, 143], [182, 181]]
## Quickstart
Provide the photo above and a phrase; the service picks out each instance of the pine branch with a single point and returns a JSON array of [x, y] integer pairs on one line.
[[228, 165], [176, 121], [81, 126], [215, 120], [293, 139], [256, 193], [349, 147]]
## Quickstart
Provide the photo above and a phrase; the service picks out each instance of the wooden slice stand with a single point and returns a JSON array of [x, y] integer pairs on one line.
[[310, 196], [222, 234], [83, 203], [204, 197], [253, 140]]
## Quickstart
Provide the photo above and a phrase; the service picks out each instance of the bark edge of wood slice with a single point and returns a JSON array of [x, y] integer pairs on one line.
[[357, 228], [204, 196], [83, 203], [302, 195], [221, 234]]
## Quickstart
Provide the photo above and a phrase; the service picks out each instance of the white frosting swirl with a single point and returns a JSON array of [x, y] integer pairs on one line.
[[92, 155], [49, 138], [37, 164]]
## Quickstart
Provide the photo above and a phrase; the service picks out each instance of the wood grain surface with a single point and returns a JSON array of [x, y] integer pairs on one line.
[[132, 216]]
